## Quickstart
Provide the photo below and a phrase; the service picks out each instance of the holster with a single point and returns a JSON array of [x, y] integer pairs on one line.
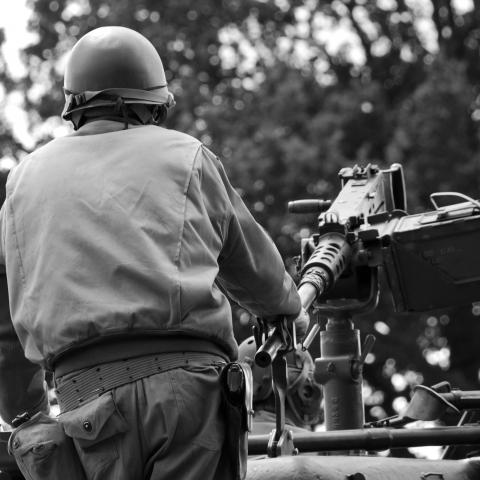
[[43, 451], [237, 388]]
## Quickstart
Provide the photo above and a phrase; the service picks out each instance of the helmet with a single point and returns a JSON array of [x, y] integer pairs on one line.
[[112, 63], [303, 393]]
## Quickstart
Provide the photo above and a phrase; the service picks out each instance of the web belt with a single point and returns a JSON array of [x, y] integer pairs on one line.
[[76, 389]]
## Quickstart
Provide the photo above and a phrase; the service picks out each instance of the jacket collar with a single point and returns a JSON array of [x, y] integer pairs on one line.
[[101, 126]]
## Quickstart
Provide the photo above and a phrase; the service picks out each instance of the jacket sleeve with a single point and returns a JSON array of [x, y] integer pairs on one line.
[[251, 269], [22, 386]]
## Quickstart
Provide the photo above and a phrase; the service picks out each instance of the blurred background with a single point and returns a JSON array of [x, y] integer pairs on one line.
[[287, 92]]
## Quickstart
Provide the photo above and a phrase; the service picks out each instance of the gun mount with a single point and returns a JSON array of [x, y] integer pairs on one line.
[[430, 262]]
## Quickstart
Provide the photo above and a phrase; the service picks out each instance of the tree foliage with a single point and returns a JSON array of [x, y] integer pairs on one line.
[[268, 86]]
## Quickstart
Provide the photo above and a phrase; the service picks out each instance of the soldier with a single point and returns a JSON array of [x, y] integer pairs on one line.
[[119, 242], [302, 407]]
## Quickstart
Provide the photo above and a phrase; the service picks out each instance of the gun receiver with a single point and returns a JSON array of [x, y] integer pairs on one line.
[[429, 258]]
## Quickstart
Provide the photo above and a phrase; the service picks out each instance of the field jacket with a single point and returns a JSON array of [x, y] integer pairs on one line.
[[111, 232]]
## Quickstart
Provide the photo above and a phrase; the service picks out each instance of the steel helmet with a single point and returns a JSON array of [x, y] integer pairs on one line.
[[112, 63], [303, 393]]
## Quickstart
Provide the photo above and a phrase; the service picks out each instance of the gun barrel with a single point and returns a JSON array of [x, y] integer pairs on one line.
[[309, 206], [373, 439], [463, 399], [327, 262], [308, 293]]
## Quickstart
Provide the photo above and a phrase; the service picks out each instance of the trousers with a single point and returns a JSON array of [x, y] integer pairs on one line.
[[166, 426]]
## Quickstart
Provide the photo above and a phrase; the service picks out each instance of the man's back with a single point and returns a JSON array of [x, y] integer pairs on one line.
[[131, 229], [112, 215]]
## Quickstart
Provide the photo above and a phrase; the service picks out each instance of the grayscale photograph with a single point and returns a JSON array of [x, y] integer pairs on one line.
[[238, 240]]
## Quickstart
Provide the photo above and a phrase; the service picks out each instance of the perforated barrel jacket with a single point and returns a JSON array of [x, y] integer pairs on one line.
[[108, 231]]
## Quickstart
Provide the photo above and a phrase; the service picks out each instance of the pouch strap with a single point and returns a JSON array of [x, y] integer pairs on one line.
[[237, 384], [236, 381]]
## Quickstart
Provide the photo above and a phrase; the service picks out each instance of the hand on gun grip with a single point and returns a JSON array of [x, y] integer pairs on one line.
[[302, 321]]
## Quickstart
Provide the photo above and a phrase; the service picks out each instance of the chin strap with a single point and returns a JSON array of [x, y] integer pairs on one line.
[[120, 107], [150, 105]]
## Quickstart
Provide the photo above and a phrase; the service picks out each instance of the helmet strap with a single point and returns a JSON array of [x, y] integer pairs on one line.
[[159, 114], [145, 113], [128, 113], [121, 107], [78, 119]]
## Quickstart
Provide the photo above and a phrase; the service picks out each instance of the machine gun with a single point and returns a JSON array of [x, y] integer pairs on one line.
[[430, 262], [429, 258]]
